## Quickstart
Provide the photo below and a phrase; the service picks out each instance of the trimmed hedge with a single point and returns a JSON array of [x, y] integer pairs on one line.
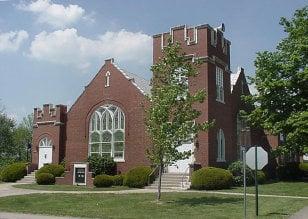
[[237, 170], [14, 172], [211, 178], [102, 165], [103, 181], [303, 167], [55, 169], [45, 179], [137, 177], [289, 172], [261, 177], [118, 180]]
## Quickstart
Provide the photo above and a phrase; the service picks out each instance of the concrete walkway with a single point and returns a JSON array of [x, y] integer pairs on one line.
[[302, 214], [7, 189], [6, 215]]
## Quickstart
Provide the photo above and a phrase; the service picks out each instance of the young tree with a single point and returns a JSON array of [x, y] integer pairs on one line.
[[171, 118], [281, 105]]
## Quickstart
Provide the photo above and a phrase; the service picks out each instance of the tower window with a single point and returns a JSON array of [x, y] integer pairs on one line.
[[219, 85], [224, 45], [220, 146], [213, 38]]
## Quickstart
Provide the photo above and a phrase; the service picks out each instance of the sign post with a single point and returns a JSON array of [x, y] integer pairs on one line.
[[257, 158], [256, 181], [244, 181]]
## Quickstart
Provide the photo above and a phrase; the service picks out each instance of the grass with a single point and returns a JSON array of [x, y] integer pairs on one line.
[[68, 187], [172, 205], [276, 188]]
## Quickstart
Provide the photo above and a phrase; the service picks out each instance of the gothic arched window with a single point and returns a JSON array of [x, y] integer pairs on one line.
[[107, 132], [220, 146]]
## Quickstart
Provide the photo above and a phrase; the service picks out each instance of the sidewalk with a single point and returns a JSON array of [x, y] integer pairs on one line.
[[6, 215], [302, 214], [7, 189]]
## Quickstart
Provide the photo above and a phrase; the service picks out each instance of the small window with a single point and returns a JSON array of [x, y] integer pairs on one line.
[[224, 45], [107, 78], [220, 146], [213, 38], [219, 85]]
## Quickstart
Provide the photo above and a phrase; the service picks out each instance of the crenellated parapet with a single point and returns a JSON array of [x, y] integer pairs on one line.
[[198, 42], [49, 114]]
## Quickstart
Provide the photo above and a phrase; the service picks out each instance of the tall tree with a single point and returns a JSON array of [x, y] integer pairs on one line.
[[281, 104], [23, 136], [6, 136], [171, 117]]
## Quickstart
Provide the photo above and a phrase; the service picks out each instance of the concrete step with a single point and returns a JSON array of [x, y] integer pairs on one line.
[[30, 178], [167, 187], [172, 181]]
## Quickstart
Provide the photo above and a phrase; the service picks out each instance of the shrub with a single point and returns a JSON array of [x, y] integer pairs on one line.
[[237, 170], [5, 162], [303, 167], [137, 177], [101, 165], [13, 172], [261, 177], [289, 171], [103, 181], [211, 178], [45, 179], [55, 169], [118, 180]]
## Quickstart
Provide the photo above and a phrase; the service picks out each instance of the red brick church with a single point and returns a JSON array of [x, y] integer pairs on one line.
[[108, 117]]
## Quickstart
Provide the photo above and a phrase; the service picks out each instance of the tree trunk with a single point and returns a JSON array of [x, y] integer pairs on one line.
[[161, 166]]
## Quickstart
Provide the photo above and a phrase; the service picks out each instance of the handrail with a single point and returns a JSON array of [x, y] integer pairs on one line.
[[182, 183], [154, 174]]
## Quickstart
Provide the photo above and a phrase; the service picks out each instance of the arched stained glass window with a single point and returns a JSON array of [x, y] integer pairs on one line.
[[107, 132], [45, 142]]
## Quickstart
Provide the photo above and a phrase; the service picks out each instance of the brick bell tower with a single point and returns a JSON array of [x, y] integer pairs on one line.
[[209, 45], [48, 144]]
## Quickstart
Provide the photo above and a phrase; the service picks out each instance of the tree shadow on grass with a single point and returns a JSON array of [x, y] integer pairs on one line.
[[277, 214], [206, 200]]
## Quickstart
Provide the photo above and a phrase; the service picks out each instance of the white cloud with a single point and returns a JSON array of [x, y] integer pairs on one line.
[[68, 48], [11, 41], [56, 15]]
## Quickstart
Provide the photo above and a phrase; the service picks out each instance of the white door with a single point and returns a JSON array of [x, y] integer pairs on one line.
[[45, 152], [182, 166]]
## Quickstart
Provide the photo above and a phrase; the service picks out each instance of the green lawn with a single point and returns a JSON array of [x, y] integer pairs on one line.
[[68, 187], [173, 205], [276, 188]]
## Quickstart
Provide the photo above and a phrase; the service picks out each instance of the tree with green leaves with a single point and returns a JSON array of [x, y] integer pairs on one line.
[[6, 136], [281, 104], [22, 136], [171, 117]]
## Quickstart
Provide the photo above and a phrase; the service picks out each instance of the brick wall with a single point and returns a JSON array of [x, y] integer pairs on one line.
[[121, 93], [49, 122]]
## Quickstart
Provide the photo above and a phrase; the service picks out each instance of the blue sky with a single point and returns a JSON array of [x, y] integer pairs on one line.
[[49, 50]]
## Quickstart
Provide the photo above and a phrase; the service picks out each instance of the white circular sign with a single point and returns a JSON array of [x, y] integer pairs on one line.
[[262, 158]]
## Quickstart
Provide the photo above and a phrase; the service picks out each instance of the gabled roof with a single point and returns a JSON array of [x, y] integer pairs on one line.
[[234, 77], [142, 84]]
